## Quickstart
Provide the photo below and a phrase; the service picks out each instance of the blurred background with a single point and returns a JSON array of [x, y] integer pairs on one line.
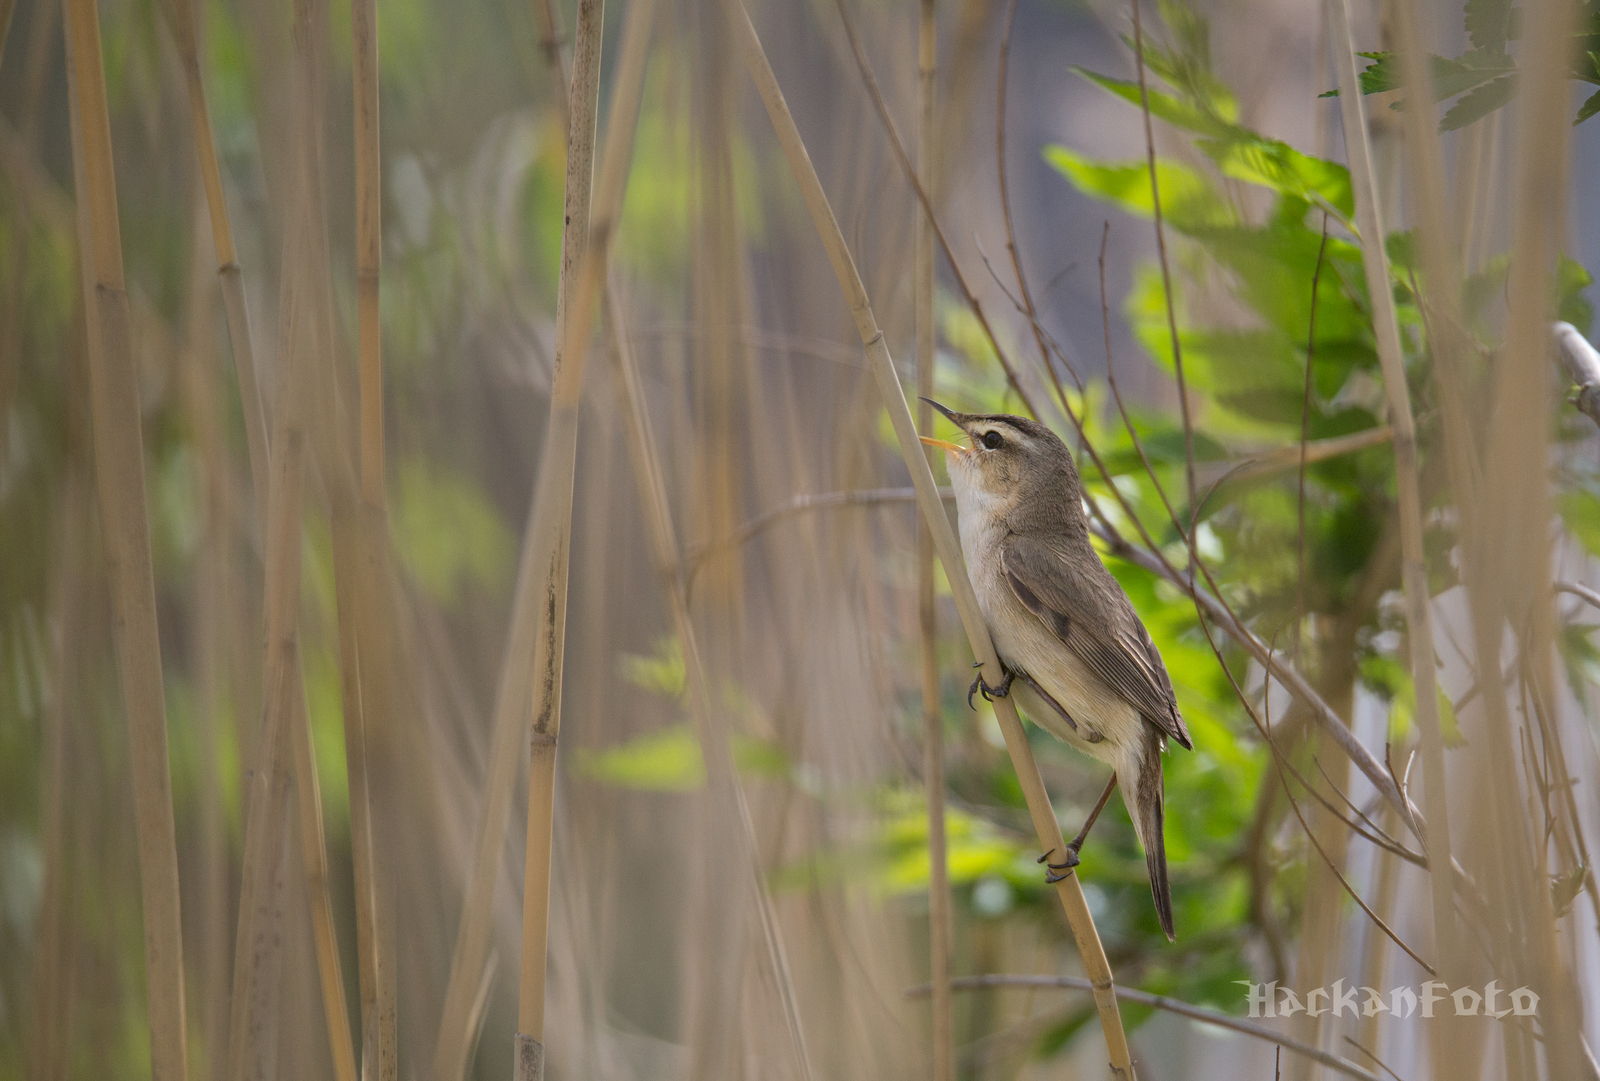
[[758, 393]]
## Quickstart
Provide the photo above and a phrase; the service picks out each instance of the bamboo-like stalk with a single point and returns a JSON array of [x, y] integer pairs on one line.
[[1068, 889], [229, 274], [308, 790], [124, 522], [550, 542], [213, 601], [379, 994], [1508, 564], [651, 483], [1414, 572], [927, 600], [456, 1038]]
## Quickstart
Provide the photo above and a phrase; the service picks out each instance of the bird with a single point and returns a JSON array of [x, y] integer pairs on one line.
[[1074, 652]]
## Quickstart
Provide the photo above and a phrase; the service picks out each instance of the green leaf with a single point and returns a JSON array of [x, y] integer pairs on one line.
[[1487, 24], [1479, 103], [1188, 199], [1588, 109], [661, 673], [1572, 278], [449, 536], [1564, 889], [664, 761], [1178, 113], [1450, 77], [1581, 511], [1279, 166]]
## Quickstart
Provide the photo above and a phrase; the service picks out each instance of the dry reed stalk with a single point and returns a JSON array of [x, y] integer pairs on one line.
[[229, 274], [285, 736], [212, 599], [1508, 573], [552, 534], [52, 962], [457, 1033], [124, 522], [1068, 889], [1375, 955], [651, 482], [339, 477], [927, 599], [1322, 920], [378, 756], [257, 944], [1414, 574], [308, 790]]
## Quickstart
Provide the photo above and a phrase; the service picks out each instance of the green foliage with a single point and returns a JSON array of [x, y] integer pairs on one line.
[[1484, 78], [447, 535]]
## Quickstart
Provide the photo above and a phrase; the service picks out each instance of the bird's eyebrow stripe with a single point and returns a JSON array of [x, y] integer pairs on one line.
[[1009, 423]]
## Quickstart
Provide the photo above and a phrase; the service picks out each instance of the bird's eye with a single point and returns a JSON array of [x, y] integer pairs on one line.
[[991, 439]]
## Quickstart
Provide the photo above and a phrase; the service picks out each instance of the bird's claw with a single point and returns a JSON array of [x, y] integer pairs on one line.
[[1065, 865], [989, 693]]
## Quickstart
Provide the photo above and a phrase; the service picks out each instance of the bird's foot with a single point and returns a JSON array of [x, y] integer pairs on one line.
[[1066, 864], [989, 693]]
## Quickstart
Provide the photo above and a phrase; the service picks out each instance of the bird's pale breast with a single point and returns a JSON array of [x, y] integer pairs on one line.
[[1026, 645]]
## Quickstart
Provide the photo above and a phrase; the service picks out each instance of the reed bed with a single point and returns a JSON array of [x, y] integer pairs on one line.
[[295, 611]]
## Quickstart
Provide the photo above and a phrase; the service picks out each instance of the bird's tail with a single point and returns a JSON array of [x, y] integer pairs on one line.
[[1148, 822]]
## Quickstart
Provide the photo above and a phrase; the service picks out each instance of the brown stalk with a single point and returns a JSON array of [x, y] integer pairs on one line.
[[456, 1037], [378, 757], [213, 600], [228, 272], [652, 486], [124, 522], [1068, 889], [552, 534], [1159, 1002], [1414, 573], [308, 788], [927, 599], [1508, 572], [923, 197]]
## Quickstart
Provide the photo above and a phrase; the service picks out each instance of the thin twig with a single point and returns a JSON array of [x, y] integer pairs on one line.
[[1001, 81], [871, 81], [1161, 252], [1305, 436], [1159, 1002]]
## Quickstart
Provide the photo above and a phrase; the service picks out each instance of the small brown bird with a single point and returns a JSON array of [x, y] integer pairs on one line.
[[1085, 667]]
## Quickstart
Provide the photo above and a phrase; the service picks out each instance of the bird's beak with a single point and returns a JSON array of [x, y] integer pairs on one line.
[[943, 444]]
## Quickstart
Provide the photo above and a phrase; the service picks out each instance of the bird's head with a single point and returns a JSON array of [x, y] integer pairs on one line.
[[1011, 463]]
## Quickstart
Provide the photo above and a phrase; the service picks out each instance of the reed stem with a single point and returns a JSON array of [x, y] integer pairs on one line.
[[456, 1039], [308, 788], [1068, 889], [927, 599], [124, 522], [552, 535], [378, 757], [1414, 573]]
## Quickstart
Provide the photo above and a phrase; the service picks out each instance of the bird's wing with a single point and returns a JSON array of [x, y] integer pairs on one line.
[[1099, 626]]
